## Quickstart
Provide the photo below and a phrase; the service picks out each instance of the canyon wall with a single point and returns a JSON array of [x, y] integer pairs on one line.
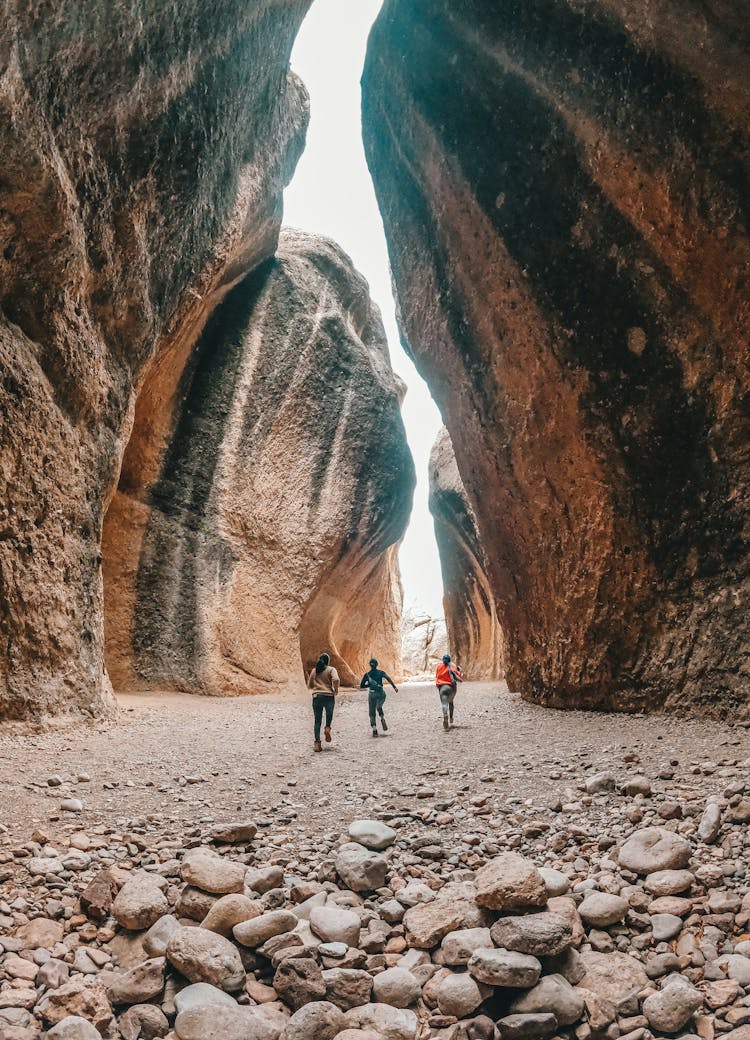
[[143, 151], [269, 531], [474, 636], [564, 192]]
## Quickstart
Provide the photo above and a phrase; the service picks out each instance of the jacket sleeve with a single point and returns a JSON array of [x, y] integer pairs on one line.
[[365, 682]]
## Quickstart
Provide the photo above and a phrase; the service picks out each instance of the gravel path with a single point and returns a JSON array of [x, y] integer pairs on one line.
[[186, 760]]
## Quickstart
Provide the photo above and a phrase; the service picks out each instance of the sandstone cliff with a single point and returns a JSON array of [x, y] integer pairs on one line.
[[143, 150], [564, 191], [474, 635], [269, 532]]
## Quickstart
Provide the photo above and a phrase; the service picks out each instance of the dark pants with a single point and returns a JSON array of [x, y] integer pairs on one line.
[[375, 702], [322, 702]]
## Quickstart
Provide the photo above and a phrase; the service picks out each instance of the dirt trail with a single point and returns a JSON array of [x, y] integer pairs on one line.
[[186, 760]]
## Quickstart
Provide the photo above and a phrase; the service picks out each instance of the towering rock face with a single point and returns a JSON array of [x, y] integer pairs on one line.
[[564, 190], [143, 150], [474, 635], [269, 532]]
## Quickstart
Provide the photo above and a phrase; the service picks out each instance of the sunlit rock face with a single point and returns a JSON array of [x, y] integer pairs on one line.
[[424, 640], [270, 531], [474, 635], [143, 150], [564, 191]]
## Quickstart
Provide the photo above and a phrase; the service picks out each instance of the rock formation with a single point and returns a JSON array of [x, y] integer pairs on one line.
[[474, 634], [269, 531], [564, 191], [143, 150], [424, 640]]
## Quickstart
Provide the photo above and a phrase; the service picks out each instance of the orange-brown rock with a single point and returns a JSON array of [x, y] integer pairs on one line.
[[143, 150], [474, 636], [564, 191], [269, 531]]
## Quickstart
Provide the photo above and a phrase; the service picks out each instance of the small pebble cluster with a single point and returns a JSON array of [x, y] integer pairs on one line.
[[389, 933]]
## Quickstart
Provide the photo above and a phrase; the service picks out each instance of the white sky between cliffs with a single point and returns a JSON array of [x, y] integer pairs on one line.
[[332, 194]]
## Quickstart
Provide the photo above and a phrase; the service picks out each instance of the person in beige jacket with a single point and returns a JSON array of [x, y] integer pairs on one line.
[[323, 680]]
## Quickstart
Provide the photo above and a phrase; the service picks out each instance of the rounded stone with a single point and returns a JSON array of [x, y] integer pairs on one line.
[[458, 995], [203, 869], [259, 930], [555, 995], [372, 834], [671, 1008], [668, 882], [74, 1028], [458, 946], [203, 956], [602, 909], [139, 903], [336, 924], [397, 987], [230, 910], [361, 869], [653, 849], [541, 935], [510, 882], [202, 994], [665, 926], [387, 1022], [319, 1020], [505, 968]]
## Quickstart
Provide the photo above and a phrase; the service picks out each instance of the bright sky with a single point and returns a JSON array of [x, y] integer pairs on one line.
[[332, 194]]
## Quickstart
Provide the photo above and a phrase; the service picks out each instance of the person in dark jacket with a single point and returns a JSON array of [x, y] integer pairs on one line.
[[374, 680]]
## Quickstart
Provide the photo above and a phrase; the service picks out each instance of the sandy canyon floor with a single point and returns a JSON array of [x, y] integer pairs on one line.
[[186, 760]]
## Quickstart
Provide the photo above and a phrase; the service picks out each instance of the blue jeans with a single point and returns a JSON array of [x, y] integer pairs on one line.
[[375, 702]]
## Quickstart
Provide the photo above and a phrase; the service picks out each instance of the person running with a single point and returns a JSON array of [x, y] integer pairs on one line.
[[374, 679], [323, 680], [447, 678]]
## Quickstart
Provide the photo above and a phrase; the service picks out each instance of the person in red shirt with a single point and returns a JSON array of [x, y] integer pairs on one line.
[[447, 678]]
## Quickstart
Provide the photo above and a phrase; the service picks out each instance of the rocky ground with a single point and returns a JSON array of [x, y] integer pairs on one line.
[[529, 874]]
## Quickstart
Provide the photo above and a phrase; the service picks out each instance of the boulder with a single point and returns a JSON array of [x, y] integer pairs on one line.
[[542, 935], [505, 968], [203, 869], [552, 994], [510, 882], [335, 924], [317, 1021], [653, 849], [359, 868], [372, 834], [140, 902], [203, 956]]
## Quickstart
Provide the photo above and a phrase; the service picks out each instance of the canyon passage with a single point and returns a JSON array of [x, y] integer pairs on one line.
[[205, 480]]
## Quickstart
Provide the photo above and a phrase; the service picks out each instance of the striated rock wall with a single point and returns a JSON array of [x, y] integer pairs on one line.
[[474, 634], [269, 531], [143, 150], [564, 191]]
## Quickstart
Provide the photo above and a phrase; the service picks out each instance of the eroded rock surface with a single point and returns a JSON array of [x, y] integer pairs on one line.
[[563, 188], [143, 150], [474, 634], [269, 532], [424, 640]]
